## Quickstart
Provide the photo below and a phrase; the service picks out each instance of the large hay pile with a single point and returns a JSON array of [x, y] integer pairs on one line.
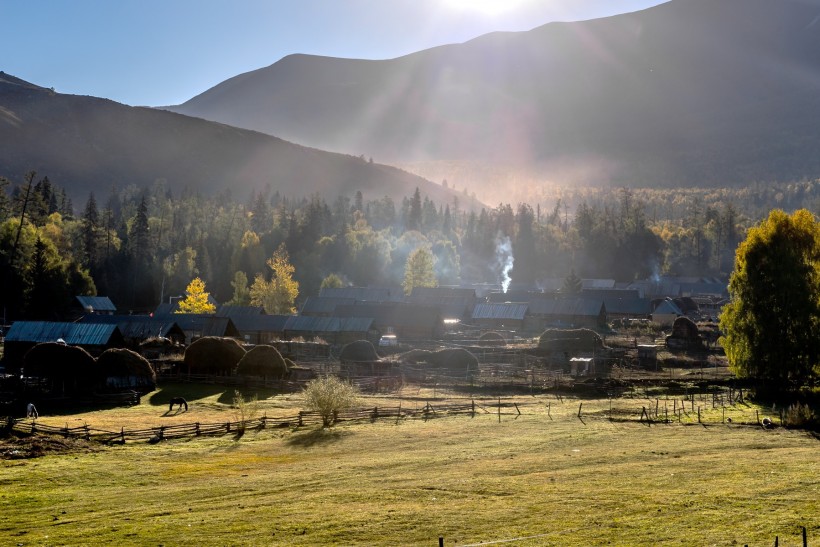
[[213, 355], [683, 327], [71, 368], [415, 356], [157, 346], [123, 368], [358, 351], [265, 361], [570, 340], [457, 361]]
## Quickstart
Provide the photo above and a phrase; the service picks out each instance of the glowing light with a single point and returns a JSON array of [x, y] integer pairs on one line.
[[486, 7]]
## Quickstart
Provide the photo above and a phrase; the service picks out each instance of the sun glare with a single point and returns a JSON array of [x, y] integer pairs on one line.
[[486, 7]]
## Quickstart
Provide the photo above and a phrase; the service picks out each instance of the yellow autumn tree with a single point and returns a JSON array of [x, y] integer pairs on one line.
[[277, 295], [196, 299]]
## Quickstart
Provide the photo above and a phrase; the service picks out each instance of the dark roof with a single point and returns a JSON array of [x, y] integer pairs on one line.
[[260, 323], [451, 307], [513, 296], [203, 324], [96, 303], [394, 314], [324, 305], [507, 310], [442, 292], [568, 306], [364, 294], [73, 334], [628, 306], [138, 326], [300, 323], [225, 310], [622, 294]]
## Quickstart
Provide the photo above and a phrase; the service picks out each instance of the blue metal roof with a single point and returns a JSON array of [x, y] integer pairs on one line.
[[301, 323], [513, 311], [73, 334], [96, 303]]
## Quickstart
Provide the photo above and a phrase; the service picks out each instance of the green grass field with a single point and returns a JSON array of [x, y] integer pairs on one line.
[[555, 479]]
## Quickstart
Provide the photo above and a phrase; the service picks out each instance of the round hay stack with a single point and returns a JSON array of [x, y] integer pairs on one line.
[[492, 339], [71, 367], [264, 361], [456, 361], [156, 346], [127, 369], [415, 356], [359, 351], [569, 340], [213, 355], [683, 327]]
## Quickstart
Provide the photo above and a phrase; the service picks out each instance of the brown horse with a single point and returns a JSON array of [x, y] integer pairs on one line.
[[178, 401]]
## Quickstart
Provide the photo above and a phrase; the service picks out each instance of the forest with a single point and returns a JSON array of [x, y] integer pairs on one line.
[[140, 246]]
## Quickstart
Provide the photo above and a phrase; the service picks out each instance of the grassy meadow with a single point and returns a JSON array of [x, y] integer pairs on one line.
[[544, 477]]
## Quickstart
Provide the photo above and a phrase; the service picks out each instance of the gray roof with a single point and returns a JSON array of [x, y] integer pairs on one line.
[[324, 305], [260, 323], [567, 306], [137, 326], [628, 306], [442, 292], [96, 303], [73, 334], [300, 323], [507, 310], [225, 310], [203, 324], [394, 314], [364, 294]]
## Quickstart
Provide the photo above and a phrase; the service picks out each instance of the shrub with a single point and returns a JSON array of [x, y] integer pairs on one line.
[[328, 395], [799, 416], [246, 409]]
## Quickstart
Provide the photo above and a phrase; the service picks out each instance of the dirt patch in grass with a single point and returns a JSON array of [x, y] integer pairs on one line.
[[16, 447]]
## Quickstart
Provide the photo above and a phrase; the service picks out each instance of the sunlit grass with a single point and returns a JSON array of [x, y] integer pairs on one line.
[[569, 481]]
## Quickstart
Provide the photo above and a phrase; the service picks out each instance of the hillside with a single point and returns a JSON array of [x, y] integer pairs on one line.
[[86, 144], [690, 92]]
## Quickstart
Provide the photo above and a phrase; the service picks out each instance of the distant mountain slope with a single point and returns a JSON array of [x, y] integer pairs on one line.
[[87, 144], [688, 92]]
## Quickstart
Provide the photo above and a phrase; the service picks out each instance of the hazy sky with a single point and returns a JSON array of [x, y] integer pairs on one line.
[[162, 52]]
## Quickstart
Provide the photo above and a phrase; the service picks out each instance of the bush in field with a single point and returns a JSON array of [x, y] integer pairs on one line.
[[799, 416], [246, 409], [328, 395]]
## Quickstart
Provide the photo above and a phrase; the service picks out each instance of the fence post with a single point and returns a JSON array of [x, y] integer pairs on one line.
[[805, 538], [579, 410], [300, 419], [440, 541], [197, 432], [87, 433], [122, 435], [472, 406], [548, 411], [699, 414], [499, 410]]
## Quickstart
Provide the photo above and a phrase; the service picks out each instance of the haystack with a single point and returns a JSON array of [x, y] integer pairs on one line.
[[457, 361], [213, 355], [359, 351], [683, 327], [570, 340], [157, 346], [415, 356], [264, 361], [492, 339], [71, 368], [123, 368]]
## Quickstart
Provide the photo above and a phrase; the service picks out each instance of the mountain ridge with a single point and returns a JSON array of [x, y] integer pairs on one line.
[[688, 92], [85, 144]]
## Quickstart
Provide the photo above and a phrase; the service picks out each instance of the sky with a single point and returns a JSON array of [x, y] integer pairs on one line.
[[164, 52]]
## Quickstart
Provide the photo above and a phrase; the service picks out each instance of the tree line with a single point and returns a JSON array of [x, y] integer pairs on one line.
[[140, 246]]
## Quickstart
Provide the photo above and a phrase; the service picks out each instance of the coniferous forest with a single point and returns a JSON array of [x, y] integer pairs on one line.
[[140, 246]]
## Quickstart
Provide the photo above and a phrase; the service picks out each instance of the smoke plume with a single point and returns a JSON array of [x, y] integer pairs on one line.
[[504, 259]]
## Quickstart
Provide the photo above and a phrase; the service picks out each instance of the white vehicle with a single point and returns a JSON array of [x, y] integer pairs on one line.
[[388, 340]]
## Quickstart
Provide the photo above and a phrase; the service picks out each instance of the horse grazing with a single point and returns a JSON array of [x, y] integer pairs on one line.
[[178, 401]]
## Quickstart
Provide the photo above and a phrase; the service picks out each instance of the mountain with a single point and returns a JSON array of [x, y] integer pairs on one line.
[[86, 144], [689, 92]]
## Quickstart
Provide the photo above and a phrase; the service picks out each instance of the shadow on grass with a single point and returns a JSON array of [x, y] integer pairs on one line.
[[248, 393], [316, 437], [191, 392]]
